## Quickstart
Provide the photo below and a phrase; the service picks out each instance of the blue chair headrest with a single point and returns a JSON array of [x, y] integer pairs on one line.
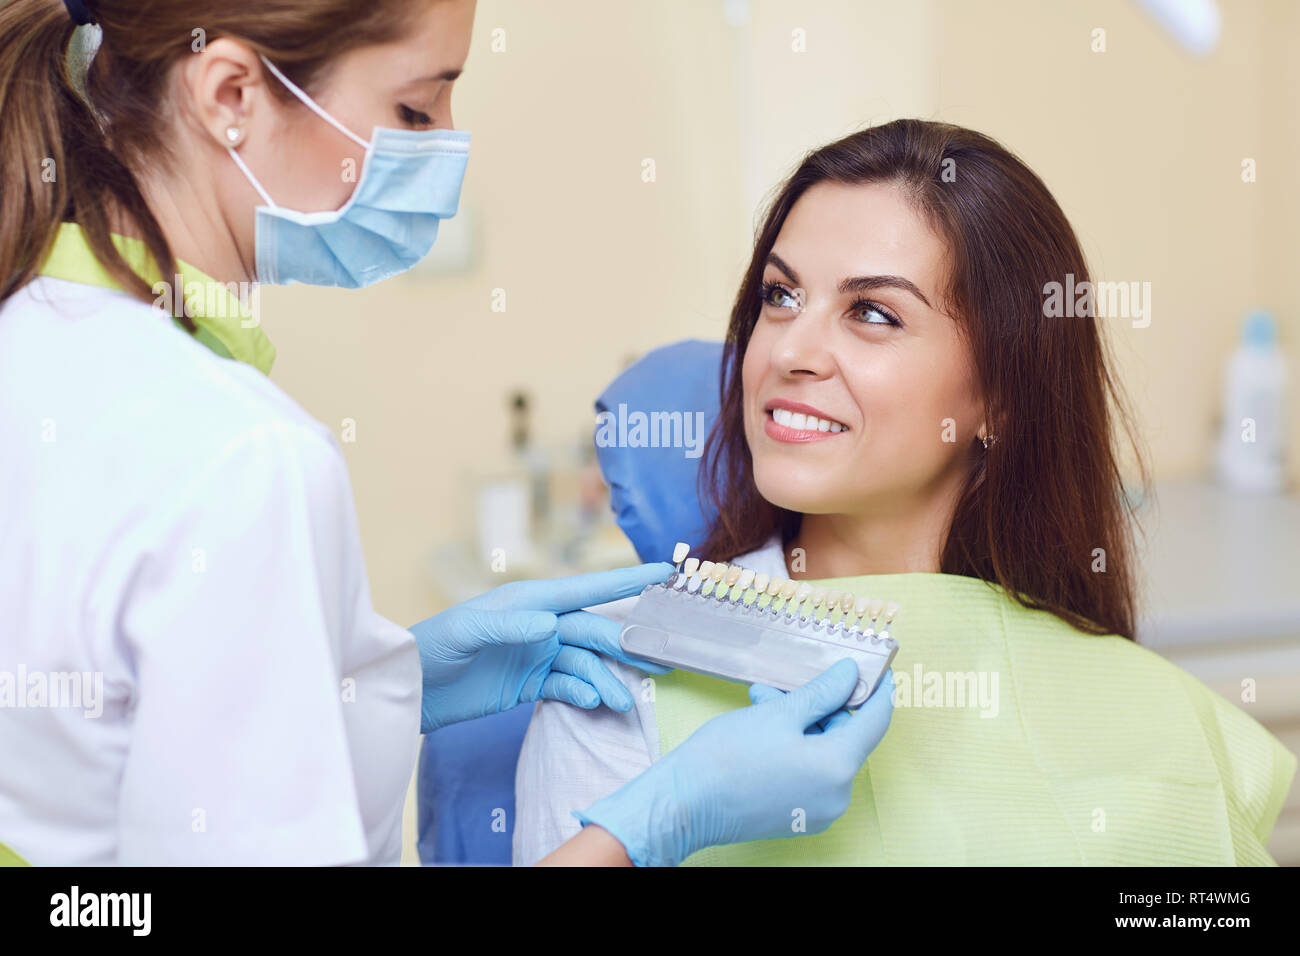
[[650, 429]]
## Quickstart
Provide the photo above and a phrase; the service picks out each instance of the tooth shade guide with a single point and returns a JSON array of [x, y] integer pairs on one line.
[[756, 636], [743, 580], [713, 582], [891, 610], [680, 551], [838, 613]]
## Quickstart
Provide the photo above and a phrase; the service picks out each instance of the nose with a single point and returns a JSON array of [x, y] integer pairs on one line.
[[444, 110], [803, 347]]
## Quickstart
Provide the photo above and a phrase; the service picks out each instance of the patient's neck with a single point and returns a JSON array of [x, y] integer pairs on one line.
[[893, 539]]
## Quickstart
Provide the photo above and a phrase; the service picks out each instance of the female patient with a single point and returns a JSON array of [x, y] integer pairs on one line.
[[905, 419]]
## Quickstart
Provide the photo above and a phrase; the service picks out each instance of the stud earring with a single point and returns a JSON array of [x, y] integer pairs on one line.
[[233, 135], [988, 440]]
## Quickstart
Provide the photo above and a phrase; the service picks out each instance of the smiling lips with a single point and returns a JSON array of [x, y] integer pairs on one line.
[[796, 423]]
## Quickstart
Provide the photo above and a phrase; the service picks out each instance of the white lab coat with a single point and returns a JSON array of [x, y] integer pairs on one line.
[[176, 527]]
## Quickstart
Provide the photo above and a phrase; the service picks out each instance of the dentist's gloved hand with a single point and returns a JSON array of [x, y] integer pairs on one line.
[[742, 775], [525, 641]]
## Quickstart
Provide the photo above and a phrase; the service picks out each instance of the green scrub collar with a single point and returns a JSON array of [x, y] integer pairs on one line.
[[224, 332]]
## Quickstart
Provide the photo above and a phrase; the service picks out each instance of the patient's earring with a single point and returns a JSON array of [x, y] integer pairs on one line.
[[988, 440], [234, 135]]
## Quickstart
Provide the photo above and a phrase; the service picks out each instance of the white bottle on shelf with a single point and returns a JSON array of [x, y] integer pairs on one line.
[[1250, 456]]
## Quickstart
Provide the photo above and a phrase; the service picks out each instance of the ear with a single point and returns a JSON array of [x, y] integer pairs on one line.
[[224, 85]]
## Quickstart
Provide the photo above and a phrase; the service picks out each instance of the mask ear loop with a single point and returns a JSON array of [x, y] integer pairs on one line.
[[312, 105], [248, 174]]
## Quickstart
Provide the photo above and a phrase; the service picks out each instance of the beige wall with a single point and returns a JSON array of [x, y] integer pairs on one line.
[[1142, 144]]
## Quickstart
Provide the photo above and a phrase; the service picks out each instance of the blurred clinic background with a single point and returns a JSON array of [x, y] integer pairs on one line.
[[622, 150]]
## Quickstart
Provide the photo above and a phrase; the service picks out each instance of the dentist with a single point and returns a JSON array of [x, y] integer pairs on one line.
[[204, 679]]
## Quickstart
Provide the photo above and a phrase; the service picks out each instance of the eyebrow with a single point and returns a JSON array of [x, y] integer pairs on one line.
[[856, 283], [447, 76]]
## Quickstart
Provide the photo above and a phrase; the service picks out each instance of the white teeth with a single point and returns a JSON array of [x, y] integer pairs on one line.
[[805, 423], [680, 551]]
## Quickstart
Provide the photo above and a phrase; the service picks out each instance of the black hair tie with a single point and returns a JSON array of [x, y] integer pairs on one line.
[[79, 10]]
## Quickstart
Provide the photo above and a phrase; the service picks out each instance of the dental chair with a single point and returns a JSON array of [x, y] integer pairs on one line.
[[466, 774]]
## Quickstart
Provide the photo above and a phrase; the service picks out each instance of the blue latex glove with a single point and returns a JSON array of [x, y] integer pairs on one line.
[[525, 641], [743, 775]]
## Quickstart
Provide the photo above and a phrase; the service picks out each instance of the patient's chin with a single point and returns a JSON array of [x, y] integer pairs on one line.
[[788, 491]]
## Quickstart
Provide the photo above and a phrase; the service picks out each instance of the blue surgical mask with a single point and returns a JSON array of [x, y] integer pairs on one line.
[[410, 181]]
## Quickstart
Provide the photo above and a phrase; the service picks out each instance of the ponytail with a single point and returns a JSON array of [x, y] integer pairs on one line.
[[55, 160]]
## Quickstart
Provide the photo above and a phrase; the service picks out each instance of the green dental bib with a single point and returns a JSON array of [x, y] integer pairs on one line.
[[1017, 740]]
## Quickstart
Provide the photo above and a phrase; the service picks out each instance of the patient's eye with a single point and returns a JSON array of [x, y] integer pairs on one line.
[[778, 296], [872, 313]]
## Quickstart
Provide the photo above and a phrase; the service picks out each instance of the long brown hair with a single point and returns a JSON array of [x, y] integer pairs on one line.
[[68, 143], [1048, 491]]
